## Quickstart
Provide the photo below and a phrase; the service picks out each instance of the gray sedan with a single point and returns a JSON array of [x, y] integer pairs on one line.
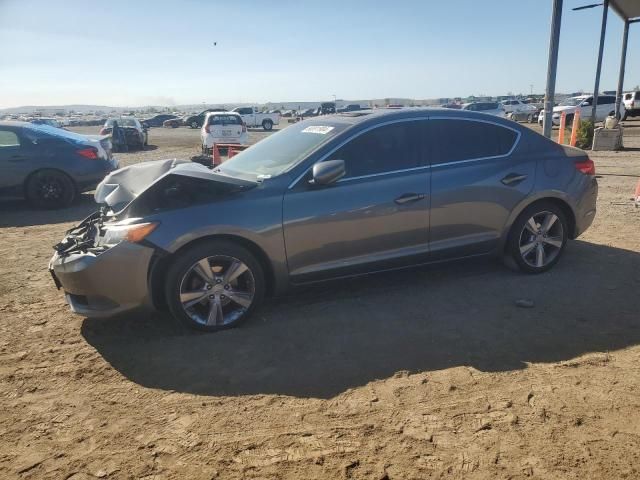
[[329, 197]]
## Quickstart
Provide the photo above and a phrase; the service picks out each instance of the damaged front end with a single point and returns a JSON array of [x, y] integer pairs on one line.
[[103, 263]]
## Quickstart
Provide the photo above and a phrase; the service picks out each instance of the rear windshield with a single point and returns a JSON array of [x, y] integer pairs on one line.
[[122, 122], [282, 150], [224, 120]]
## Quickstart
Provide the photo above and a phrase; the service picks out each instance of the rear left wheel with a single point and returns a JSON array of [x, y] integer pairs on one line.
[[214, 286], [538, 237], [50, 189], [267, 125]]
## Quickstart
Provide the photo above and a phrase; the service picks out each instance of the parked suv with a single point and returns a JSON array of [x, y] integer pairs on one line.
[[606, 107], [491, 108], [631, 104], [327, 197], [223, 127]]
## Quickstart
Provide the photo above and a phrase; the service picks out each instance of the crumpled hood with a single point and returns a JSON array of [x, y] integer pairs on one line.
[[123, 186]]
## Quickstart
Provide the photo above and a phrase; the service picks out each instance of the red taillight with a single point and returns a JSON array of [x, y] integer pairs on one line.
[[103, 131], [206, 129], [587, 167], [244, 127], [90, 153]]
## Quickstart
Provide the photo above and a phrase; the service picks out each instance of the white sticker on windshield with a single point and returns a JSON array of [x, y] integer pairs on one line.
[[317, 129]]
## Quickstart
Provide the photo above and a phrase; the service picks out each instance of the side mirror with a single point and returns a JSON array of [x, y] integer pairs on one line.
[[326, 173]]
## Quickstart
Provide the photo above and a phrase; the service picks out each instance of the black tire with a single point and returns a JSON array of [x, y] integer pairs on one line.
[[182, 267], [50, 189], [194, 124], [518, 240], [267, 125], [530, 118]]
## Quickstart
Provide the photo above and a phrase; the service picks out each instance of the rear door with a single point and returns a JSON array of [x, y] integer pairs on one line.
[[376, 217], [477, 178], [14, 161]]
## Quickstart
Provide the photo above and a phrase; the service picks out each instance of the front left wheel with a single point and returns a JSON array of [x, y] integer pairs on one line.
[[214, 285]]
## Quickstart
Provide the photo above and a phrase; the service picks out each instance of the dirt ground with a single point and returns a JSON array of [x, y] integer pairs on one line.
[[432, 373]]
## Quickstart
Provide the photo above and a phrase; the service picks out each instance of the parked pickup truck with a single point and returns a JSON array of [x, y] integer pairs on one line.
[[252, 117]]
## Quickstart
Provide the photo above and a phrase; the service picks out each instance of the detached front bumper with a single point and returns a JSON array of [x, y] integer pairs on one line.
[[104, 284]]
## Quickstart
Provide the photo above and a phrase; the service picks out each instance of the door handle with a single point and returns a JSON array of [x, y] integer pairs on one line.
[[408, 198], [17, 158], [513, 179]]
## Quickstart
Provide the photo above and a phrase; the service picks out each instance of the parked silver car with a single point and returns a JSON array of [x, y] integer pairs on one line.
[[329, 197]]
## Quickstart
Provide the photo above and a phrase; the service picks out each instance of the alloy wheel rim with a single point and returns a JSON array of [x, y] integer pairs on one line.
[[541, 239], [217, 290], [50, 188]]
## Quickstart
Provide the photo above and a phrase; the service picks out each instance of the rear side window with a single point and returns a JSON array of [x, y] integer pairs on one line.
[[383, 149], [224, 120], [459, 140], [8, 139], [637, 96]]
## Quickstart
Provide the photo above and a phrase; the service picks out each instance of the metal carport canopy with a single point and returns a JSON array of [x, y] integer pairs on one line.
[[629, 11]]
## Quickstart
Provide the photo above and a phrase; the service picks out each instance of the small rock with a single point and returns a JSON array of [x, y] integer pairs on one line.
[[101, 474], [524, 303]]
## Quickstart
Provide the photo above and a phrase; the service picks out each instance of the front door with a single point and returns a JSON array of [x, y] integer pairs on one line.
[[376, 217]]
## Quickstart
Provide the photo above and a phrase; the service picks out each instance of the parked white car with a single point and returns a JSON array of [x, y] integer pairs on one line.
[[491, 108], [252, 117], [606, 106], [223, 127], [517, 106], [632, 104]]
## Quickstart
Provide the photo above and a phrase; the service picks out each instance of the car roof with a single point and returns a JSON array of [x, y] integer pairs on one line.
[[381, 115], [14, 123]]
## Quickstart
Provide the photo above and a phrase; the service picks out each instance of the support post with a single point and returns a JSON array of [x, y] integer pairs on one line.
[[552, 67], [596, 87], [623, 60]]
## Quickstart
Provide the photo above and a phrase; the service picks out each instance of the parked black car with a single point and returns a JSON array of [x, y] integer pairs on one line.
[[352, 107], [158, 120], [196, 121], [49, 165]]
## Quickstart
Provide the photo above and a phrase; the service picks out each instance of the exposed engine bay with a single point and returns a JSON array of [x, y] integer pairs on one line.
[[130, 194]]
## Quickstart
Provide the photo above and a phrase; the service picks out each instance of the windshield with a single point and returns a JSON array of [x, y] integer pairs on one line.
[[281, 151], [122, 122], [571, 102]]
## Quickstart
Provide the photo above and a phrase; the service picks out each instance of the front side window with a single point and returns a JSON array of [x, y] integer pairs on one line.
[[606, 100], [458, 140], [8, 139], [384, 149]]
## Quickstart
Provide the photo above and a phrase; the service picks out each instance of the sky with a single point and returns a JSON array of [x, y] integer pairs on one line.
[[158, 52]]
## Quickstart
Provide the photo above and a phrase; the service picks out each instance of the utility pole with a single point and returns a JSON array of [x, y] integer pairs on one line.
[[552, 67]]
